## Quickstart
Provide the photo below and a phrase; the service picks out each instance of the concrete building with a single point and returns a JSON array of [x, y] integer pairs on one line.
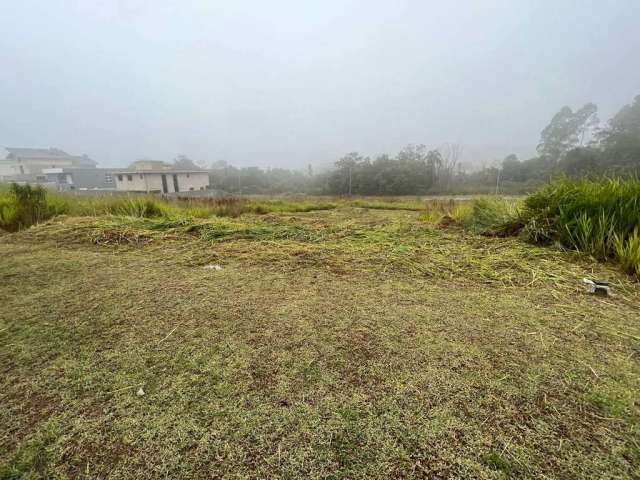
[[27, 164], [65, 179], [157, 177]]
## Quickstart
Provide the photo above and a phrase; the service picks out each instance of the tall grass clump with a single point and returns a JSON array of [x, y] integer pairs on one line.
[[598, 217], [23, 205], [142, 207], [491, 216]]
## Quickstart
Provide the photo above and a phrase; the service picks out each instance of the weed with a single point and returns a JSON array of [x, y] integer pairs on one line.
[[497, 462]]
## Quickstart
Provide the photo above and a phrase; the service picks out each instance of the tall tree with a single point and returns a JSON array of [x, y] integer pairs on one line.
[[451, 153], [619, 141], [623, 128], [345, 171], [566, 130]]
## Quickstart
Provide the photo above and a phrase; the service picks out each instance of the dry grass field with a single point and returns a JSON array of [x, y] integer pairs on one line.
[[340, 343]]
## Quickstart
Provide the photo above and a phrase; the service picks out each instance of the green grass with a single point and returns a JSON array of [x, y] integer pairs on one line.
[[23, 206], [389, 204], [15, 216], [490, 215], [337, 343], [600, 218]]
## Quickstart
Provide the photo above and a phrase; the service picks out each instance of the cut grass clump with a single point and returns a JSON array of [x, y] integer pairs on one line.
[[389, 204], [140, 207], [234, 206], [599, 218], [139, 230]]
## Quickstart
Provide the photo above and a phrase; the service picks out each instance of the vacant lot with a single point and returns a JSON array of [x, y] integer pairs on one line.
[[345, 343]]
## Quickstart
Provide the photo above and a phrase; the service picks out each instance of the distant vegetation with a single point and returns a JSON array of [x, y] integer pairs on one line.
[[573, 144]]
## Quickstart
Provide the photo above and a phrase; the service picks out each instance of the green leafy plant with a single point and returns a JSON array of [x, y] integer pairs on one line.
[[598, 217], [24, 206]]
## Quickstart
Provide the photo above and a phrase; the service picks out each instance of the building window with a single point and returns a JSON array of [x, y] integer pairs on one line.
[[130, 178], [191, 188], [120, 177], [108, 178]]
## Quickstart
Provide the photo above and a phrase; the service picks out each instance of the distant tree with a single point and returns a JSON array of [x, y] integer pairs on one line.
[[434, 164], [566, 130], [625, 123], [346, 167], [620, 139], [451, 153], [512, 168], [581, 161], [185, 163]]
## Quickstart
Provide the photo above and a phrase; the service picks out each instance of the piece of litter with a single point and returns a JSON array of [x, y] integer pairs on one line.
[[215, 267], [597, 287], [140, 392]]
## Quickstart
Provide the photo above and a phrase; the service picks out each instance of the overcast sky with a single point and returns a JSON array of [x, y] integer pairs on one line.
[[287, 83]]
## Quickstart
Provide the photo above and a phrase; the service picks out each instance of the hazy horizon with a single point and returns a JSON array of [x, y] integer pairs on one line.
[[285, 84]]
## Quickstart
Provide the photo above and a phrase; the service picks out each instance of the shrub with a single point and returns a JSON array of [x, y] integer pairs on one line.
[[24, 206]]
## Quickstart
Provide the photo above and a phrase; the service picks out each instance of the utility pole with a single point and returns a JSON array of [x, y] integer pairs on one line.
[[349, 180], [498, 181]]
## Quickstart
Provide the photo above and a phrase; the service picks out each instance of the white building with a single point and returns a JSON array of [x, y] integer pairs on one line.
[[157, 177]]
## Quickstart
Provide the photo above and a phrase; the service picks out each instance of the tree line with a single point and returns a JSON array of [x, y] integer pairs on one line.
[[574, 143]]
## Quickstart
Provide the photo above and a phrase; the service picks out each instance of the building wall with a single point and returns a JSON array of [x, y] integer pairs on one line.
[[80, 178], [192, 181], [34, 166], [152, 182], [6, 169], [136, 182], [92, 178]]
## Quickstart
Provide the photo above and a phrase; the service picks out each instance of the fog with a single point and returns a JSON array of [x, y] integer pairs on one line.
[[290, 83]]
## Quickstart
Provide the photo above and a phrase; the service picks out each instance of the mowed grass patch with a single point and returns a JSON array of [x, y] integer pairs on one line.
[[372, 346]]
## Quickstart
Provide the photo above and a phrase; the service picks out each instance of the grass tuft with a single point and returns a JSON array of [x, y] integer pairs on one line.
[[490, 216]]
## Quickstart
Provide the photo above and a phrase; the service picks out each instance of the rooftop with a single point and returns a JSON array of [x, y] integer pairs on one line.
[[52, 153]]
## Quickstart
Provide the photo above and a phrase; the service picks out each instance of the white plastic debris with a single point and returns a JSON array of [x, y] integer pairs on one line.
[[140, 392], [597, 287], [215, 267]]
